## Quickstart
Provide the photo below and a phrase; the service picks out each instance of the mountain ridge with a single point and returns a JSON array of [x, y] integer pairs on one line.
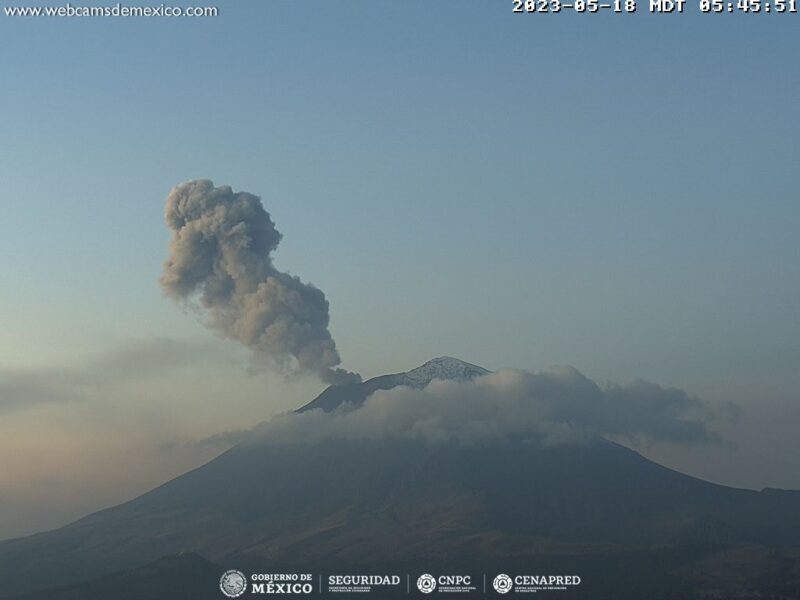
[[340, 504], [442, 367]]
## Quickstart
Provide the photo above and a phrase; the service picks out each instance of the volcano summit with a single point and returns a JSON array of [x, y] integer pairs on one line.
[[445, 466]]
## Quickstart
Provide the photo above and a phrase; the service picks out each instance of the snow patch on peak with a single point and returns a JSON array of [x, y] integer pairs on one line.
[[444, 367]]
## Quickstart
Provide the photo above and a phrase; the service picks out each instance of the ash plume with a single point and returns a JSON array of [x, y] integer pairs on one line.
[[219, 256]]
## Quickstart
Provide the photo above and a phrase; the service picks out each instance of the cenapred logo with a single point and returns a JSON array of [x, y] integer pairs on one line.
[[233, 583], [502, 583], [426, 583]]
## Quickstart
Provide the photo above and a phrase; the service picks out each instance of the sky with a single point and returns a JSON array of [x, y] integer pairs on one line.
[[613, 192]]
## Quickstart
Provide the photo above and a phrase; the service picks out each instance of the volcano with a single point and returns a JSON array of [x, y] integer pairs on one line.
[[630, 527]]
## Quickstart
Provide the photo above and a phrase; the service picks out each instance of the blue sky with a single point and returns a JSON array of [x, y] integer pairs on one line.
[[615, 192]]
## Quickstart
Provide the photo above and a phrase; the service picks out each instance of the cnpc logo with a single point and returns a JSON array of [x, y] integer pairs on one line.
[[427, 583], [454, 580]]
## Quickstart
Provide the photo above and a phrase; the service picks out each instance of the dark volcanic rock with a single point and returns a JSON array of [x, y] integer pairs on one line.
[[346, 505]]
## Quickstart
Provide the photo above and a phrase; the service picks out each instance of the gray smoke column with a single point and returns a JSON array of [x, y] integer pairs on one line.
[[220, 255]]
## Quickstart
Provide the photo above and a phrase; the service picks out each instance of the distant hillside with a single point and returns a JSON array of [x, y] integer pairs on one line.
[[344, 505], [182, 577]]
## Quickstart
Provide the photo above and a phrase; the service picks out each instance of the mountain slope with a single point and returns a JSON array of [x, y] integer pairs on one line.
[[346, 503], [181, 577], [444, 367]]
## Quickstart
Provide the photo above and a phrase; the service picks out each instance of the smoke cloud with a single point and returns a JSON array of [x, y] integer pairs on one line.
[[555, 406], [220, 255]]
